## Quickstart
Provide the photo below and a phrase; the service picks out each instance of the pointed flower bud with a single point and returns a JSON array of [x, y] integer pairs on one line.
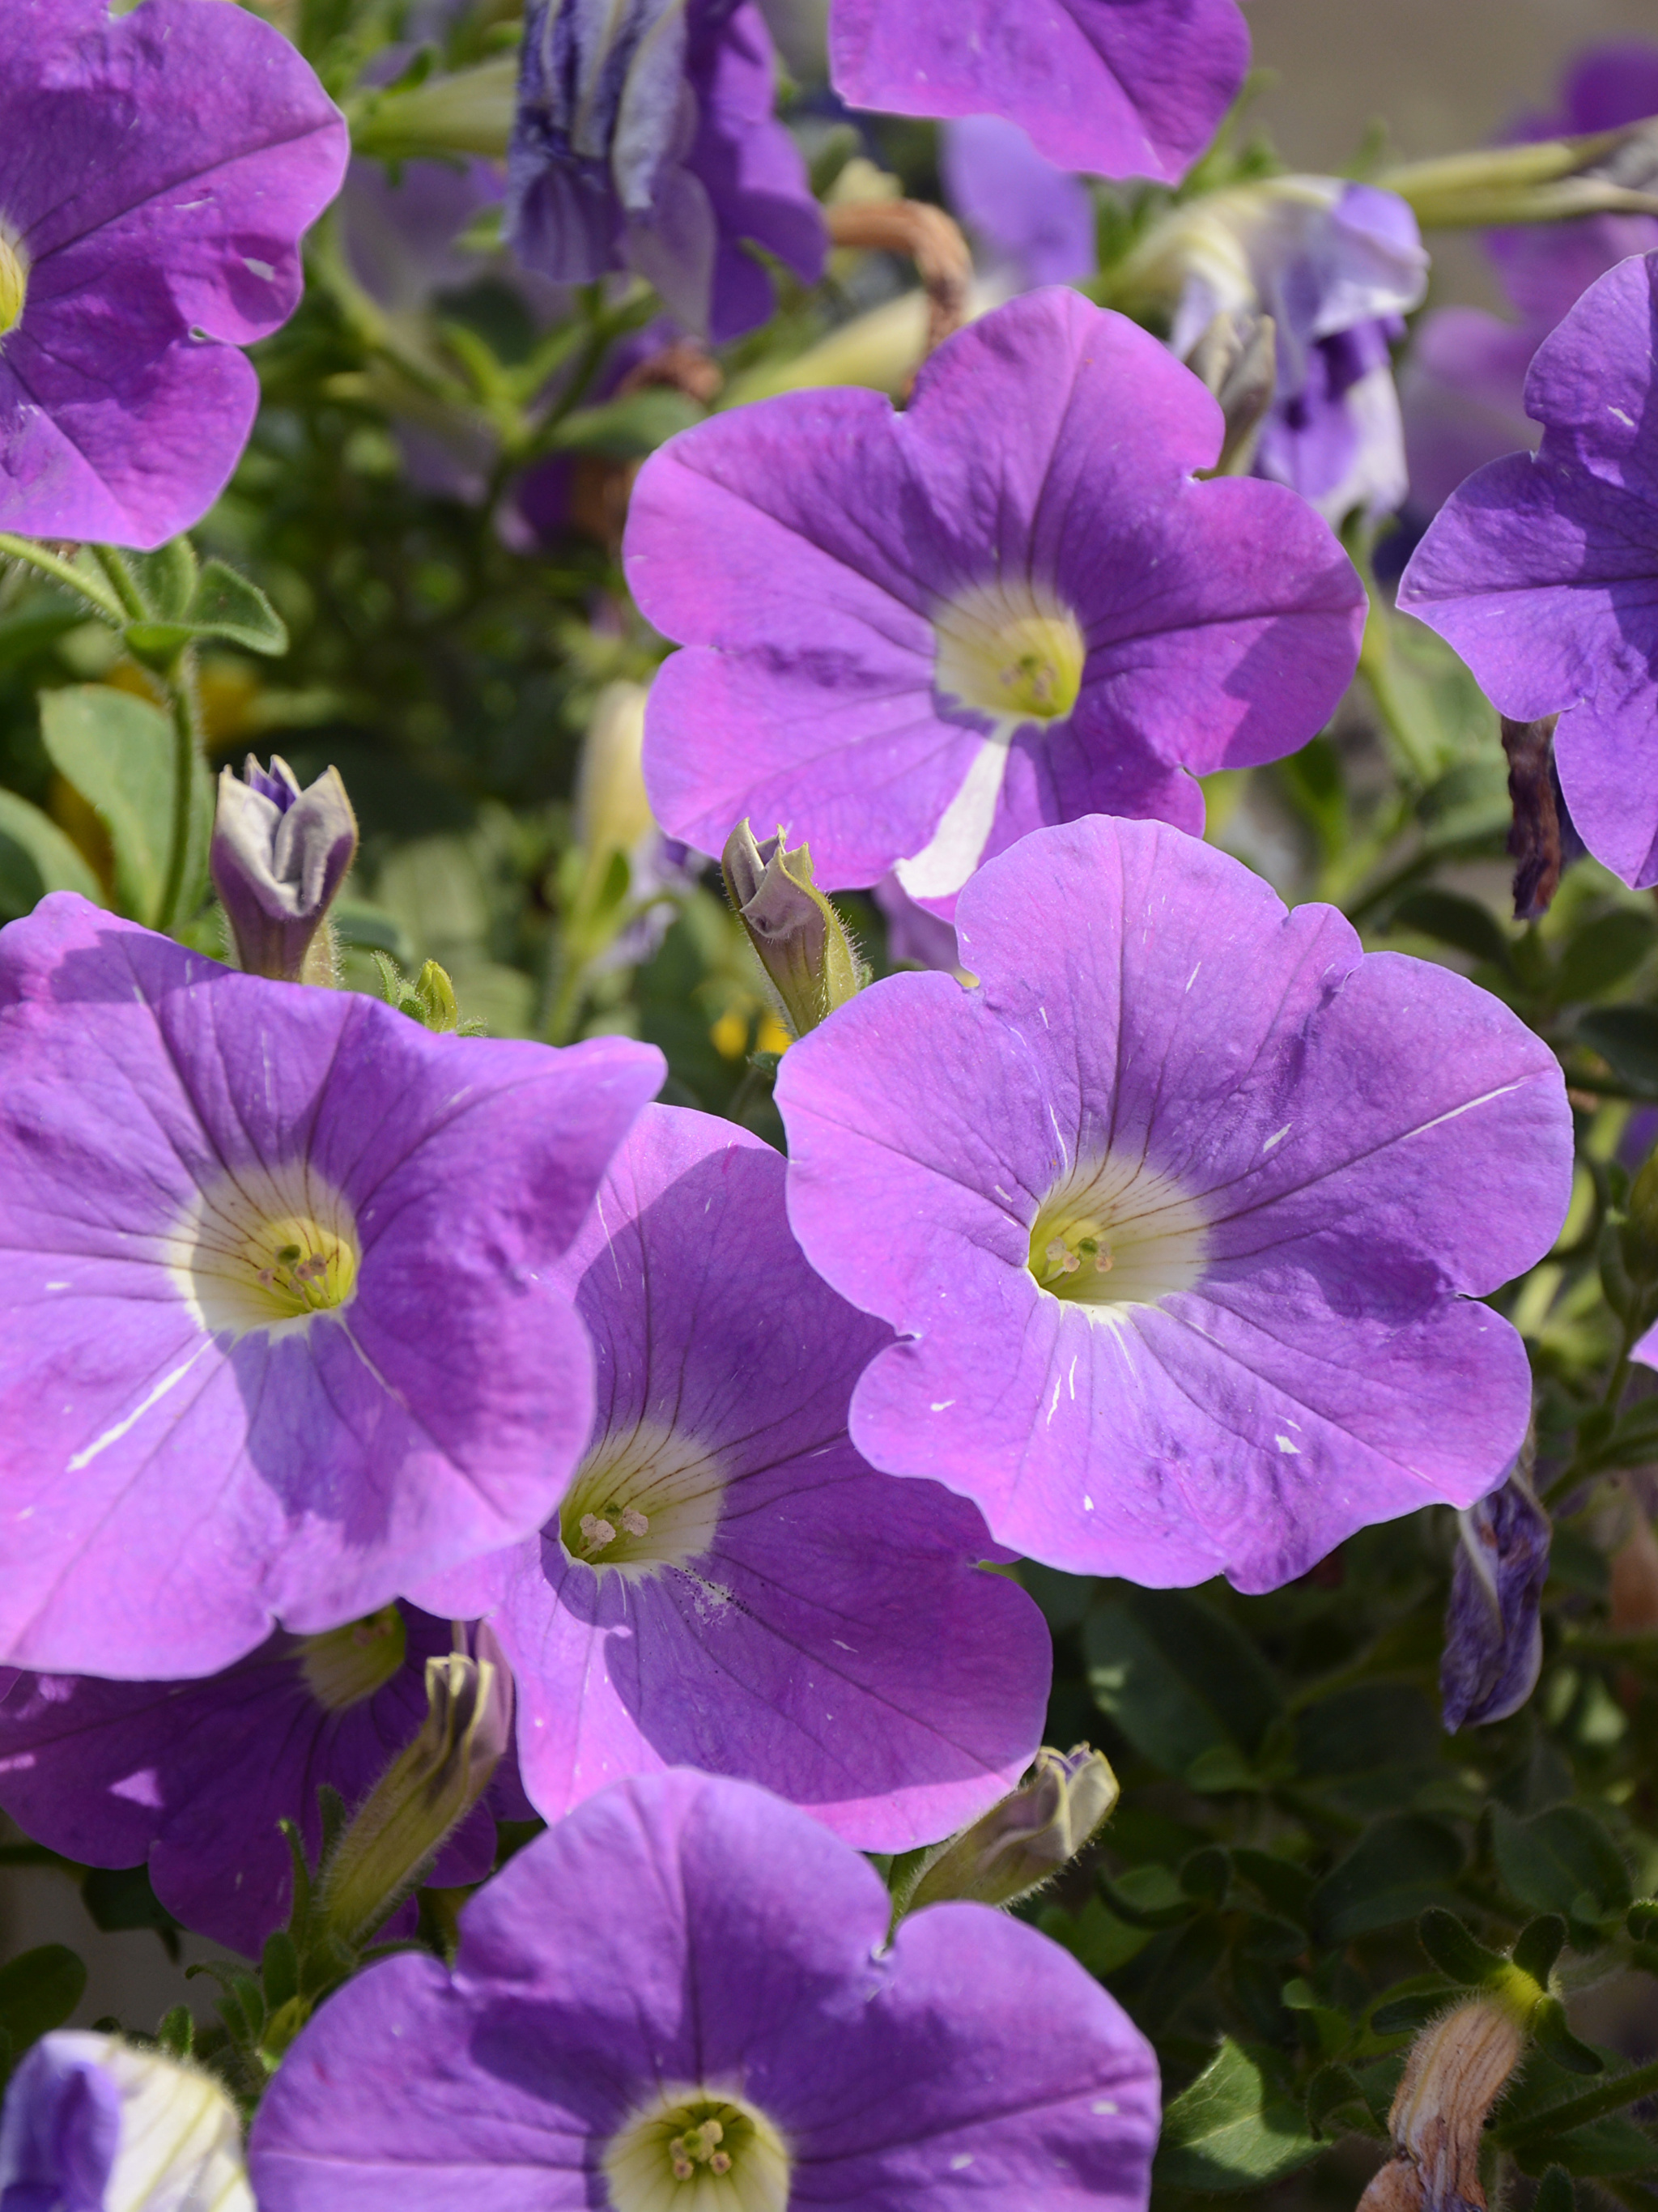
[[279, 856], [1493, 1628], [1237, 356], [1455, 2072], [1024, 1842], [425, 1794], [803, 943], [91, 2121]]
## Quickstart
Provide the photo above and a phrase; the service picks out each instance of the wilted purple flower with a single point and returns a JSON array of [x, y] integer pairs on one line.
[[1035, 223], [913, 637], [1334, 264], [1543, 572], [1493, 1628], [194, 1777], [727, 1584], [1463, 388], [686, 1982], [92, 2123], [156, 172], [1180, 1215], [645, 139], [1118, 88], [280, 1335]]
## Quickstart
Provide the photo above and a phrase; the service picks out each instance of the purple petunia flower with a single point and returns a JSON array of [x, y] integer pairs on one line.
[[1493, 1625], [92, 2123], [1118, 88], [1035, 223], [194, 1777], [156, 173], [280, 1335], [912, 638], [1543, 572], [1335, 265], [645, 139], [688, 1983], [728, 1585], [1181, 1213]]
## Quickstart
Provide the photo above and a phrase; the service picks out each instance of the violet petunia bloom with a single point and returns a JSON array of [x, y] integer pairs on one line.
[[94, 2123], [194, 1777], [684, 1992], [156, 172], [1116, 87], [913, 637], [1543, 572], [280, 1335], [728, 1585], [1493, 1625], [645, 139], [1034, 223], [1335, 265], [1174, 1213]]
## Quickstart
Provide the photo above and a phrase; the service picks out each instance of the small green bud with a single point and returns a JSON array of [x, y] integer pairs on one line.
[[278, 858], [1606, 172], [1237, 356], [423, 1796], [802, 942], [1024, 1842], [469, 112]]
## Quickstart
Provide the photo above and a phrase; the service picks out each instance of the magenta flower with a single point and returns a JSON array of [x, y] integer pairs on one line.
[[728, 1585], [156, 173], [1180, 1215], [646, 140], [1119, 87], [688, 1982], [912, 638], [1543, 573], [279, 1334], [194, 1777]]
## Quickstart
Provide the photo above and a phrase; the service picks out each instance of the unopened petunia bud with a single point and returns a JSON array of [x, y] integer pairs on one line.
[[1237, 356], [1493, 1629], [279, 856], [1456, 2071], [1024, 1842], [803, 943], [423, 1796], [91, 2121]]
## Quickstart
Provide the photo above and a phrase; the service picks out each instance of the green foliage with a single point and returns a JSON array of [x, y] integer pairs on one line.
[[39, 1991], [123, 756]]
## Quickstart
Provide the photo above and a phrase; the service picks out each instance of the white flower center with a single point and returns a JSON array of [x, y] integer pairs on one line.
[[343, 1666], [697, 2150], [14, 277], [645, 1497], [1012, 650], [1114, 1234], [265, 1248]]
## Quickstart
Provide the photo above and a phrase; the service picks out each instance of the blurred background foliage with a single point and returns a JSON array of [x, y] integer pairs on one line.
[[432, 504]]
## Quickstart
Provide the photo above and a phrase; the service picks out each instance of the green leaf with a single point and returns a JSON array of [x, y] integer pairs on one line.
[[1453, 920], [1370, 1744], [1332, 2089], [35, 857], [1602, 953], [627, 429], [1405, 2006], [119, 753], [120, 1898], [1555, 2192], [224, 605], [1454, 1950], [1554, 2037], [1234, 2128], [1398, 1868], [1626, 1038], [1537, 1945], [1187, 1688], [166, 579], [38, 1992], [1563, 1862]]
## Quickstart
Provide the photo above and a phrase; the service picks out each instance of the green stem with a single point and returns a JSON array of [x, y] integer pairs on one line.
[[61, 571], [1375, 665], [1592, 2104], [109, 559], [184, 707]]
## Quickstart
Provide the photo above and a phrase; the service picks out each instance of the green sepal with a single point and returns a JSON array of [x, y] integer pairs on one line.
[[1455, 1951], [1537, 1945], [1555, 2039]]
